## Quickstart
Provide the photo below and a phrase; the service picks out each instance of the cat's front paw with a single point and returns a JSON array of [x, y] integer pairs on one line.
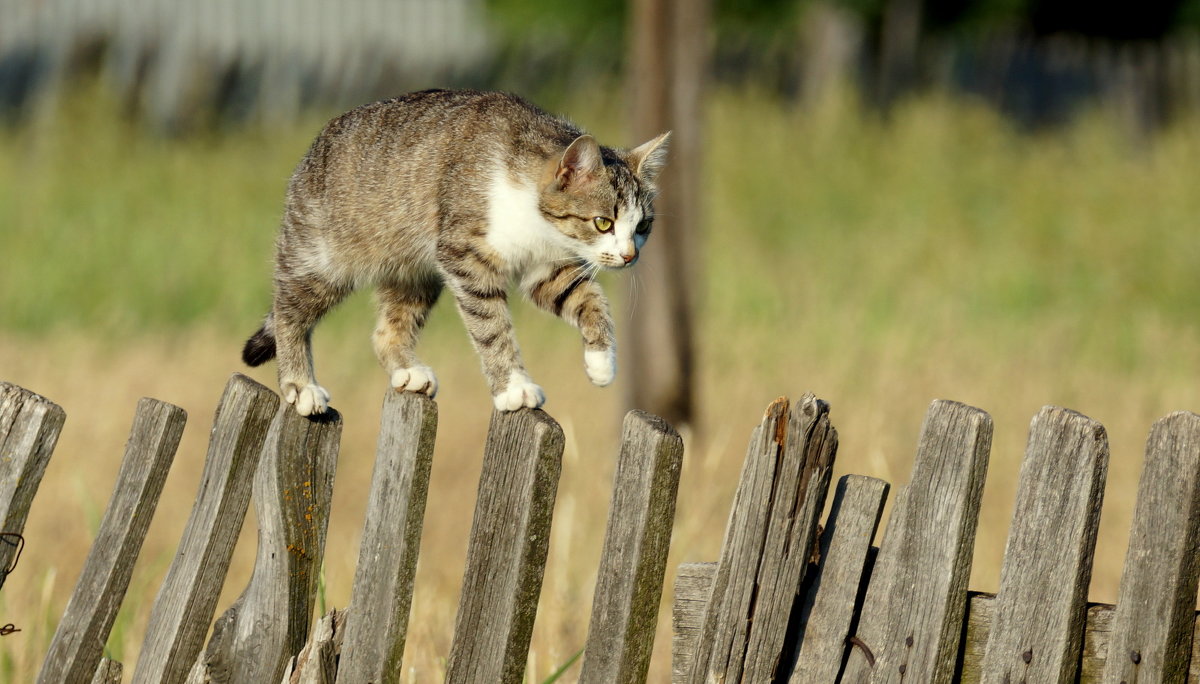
[[309, 400], [521, 392], [601, 365], [418, 379]]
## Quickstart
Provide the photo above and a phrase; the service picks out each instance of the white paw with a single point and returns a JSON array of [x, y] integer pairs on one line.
[[520, 393], [308, 400], [415, 379], [601, 365]]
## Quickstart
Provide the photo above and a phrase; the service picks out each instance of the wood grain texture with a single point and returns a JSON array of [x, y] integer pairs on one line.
[[293, 486], [829, 602], [317, 662], [506, 555], [377, 618], [768, 543], [693, 585], [1040, 610], [634, 557], [77, 647], [912, 615], [187, 598], [107, 672], [1152, 628], [29, 429]]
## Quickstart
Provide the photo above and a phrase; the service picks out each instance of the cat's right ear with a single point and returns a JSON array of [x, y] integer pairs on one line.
[[580, 164]]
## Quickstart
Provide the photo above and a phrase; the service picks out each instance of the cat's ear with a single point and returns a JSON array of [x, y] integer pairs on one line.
[[649, 158], [580, 163]]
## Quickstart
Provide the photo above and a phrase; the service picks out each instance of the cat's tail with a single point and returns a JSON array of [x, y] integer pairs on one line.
[[260, 348]]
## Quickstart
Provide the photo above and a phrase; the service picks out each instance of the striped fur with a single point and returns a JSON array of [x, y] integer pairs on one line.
[[464, 191]]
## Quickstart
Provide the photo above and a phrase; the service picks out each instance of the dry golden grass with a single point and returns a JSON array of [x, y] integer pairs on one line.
[[877, 264], [877, 406]]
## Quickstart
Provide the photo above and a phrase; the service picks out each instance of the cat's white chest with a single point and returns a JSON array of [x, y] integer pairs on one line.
[[516, 229]]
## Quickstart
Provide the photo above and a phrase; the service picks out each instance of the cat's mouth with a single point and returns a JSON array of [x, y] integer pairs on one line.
[[616, 262]]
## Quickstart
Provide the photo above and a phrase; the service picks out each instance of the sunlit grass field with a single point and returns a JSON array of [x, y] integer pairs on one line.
[[880, 263]]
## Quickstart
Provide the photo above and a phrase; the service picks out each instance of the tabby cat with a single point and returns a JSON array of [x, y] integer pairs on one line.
[[459, 189]]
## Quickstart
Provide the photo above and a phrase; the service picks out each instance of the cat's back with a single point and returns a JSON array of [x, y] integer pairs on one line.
[[433, 129]]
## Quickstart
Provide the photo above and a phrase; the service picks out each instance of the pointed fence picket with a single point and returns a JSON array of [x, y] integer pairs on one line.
[[789, 600]]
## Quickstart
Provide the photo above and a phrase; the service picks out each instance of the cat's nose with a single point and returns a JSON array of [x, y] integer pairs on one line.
[[629, 257]]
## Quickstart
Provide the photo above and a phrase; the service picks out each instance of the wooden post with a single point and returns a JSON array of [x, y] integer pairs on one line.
[[668, 65], [1152, 629], [373, 645], [1039, 613], [107, 672], [29, 428], [830, 604], [293, 486], [77, 647], [317, 662], [632, 563], [693, 585], [912, 616], [767, 543], [506, 555], [187, 598]]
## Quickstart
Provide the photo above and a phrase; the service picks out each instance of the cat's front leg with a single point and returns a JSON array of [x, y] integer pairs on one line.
[[483, 304], [565, 291]]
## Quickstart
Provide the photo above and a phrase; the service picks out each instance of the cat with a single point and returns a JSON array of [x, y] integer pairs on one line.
[[464, 190]]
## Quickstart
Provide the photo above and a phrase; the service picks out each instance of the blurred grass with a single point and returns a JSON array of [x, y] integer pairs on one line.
[[877, 262]]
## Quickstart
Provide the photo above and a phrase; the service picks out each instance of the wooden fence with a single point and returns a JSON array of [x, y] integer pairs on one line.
[[789, 600]]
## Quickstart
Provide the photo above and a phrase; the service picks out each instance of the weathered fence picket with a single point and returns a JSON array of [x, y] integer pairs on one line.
[[788, 600], [506, 554], [293, 485], [634, 558], [1038, 614], [912, 615], [1152, 629], [187, 599], [29, 427], [373, 643], [77, 647]]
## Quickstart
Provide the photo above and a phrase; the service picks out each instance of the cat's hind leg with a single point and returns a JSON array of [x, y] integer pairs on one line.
[[301, 301], [403, 308]]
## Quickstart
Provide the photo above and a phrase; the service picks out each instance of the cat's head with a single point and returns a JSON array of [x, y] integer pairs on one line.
[[603, 200]]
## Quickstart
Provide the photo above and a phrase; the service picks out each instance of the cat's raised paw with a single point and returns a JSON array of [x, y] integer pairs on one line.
[[601, 365], [520, 393], [418, 379], [308, 400]]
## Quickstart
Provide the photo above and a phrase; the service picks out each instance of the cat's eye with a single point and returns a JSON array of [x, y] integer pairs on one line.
[[602, 224], [643, 226]]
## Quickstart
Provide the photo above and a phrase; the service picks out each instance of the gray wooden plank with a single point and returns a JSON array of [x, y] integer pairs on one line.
[[634, 557], [317, 662], [29, 429], [107, 672], [693, 585], [1152, 628], [78, 644], [1040, 610], [802, 484], [768, 543], [506, 554], [978, 626], [829, 603], [377, 618], [293, 486], [183, 609], [912, 616]]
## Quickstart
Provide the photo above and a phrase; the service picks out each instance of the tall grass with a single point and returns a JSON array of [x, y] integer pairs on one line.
[[877, 262]]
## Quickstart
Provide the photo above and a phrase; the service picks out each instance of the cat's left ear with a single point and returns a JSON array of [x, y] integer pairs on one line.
[[649, 158], [580, 163]]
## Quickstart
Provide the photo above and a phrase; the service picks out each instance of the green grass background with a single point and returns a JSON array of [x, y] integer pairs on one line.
[[879, 262]]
